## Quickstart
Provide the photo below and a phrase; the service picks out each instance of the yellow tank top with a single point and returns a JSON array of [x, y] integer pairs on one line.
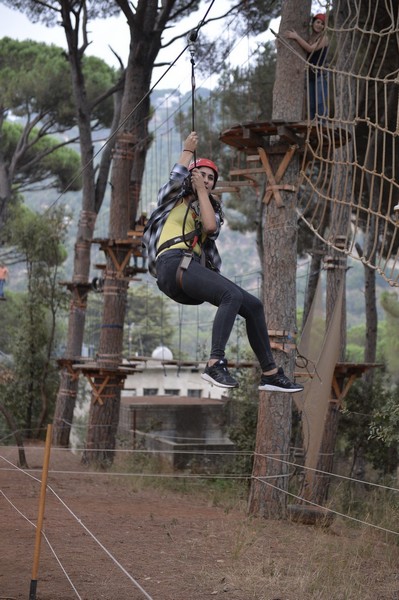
[[173, 227]]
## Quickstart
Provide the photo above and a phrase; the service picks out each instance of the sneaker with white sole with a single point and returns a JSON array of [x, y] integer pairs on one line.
[[279, 382], [218, 374]]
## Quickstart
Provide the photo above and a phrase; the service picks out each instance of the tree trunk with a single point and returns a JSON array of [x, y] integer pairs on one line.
[[92, 198], [370, 350], [68, 388], [370, 303], [318, 249], [103, 425], [127, 172], [5, 191], [104, 409], [18, 438], [280, 259]]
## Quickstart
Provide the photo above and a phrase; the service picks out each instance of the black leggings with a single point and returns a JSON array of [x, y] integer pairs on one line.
[[204, 285]]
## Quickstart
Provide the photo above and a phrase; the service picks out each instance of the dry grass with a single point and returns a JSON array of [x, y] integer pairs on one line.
[[273, 560], [282, 560]]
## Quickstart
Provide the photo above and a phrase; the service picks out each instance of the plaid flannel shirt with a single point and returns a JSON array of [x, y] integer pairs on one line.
[[167, 197]]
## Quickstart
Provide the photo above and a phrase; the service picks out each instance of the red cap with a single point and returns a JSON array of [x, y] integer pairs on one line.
[[320, 17], [205, 162]]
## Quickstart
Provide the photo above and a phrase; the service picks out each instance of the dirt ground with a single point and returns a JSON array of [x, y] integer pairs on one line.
[[115, 540]]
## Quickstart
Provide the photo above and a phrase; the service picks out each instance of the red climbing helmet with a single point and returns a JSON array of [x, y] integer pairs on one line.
[[205, 162], [320, 17]]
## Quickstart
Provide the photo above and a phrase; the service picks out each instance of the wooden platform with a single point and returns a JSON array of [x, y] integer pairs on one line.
[[162, 361], [345, 374], [247, 137], [123, 243], [120, 251], [88, 365]]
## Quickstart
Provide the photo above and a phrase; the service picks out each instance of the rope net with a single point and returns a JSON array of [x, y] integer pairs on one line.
[[349, 191]]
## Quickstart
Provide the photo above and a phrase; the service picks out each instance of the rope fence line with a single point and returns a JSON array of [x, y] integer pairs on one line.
[[271, 456], [265, 480], [260, 479], [149, 475], [352, 479], [46, 540], [86, 529], [151, 451], [325, 508]]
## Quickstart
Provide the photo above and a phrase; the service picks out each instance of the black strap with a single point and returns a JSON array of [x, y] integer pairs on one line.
[[183, 266], [187, 237]]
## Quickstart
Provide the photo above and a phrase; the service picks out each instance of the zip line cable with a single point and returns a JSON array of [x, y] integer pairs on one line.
[[178, 110], [81, 171], [216, 69], [136, 107], [139, 103], [193, 38], [111, 137]]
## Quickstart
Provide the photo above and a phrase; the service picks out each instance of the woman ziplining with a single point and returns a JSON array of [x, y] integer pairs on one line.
[[180, 239]]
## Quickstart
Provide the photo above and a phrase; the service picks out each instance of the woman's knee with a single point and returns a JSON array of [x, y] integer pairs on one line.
[[232, 296], [253, 308], [256, 304]]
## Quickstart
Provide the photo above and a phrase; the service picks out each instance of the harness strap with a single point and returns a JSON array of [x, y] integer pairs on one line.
[[183, 266], [193, 237], [187, 237]]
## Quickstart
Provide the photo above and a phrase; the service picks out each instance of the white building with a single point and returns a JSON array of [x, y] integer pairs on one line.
[[167, 407], [160, 375]]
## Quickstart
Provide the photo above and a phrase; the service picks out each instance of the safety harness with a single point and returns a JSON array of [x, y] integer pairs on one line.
[[191, 239], [187, 237]]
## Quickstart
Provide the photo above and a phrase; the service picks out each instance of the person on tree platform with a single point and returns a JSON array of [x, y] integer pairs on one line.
[[316, 47], [180, 239], [3, 279]]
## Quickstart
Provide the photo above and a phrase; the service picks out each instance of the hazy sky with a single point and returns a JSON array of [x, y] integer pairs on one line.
[[114, 33]]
